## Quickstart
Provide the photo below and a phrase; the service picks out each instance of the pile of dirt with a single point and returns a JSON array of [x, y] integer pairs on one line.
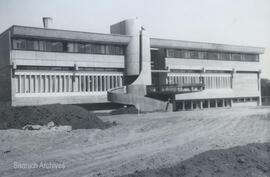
[[125, 110], [75, 116], [252, 160]]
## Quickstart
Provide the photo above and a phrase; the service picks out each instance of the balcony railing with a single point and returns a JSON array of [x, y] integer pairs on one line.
[[175, 88]]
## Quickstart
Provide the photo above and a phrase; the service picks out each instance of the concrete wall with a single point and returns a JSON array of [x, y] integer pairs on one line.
[[5, 69], [66, 59], [132, 28], [68, 35], [246, 84], [178, 44], [178, 63]]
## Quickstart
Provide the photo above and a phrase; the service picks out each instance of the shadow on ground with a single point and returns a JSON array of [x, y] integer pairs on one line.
[[252, 160]]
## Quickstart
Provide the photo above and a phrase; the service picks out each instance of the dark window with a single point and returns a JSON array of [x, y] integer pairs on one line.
[[194, 54], [236, 57], [56, 46], [175, 53], [225, 56], [32, 45], [203, 55], [114, 50], [213, 55], [50, 46], [19, 44]]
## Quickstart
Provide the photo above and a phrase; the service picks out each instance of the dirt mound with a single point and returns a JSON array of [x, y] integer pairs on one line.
[[125, 110], [252, 160], [77, 117]]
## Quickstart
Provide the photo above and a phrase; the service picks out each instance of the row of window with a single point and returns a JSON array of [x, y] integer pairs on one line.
[[61, 46], [55, 68], [65, 83], [242, 100], [211, 82], [178, 53]]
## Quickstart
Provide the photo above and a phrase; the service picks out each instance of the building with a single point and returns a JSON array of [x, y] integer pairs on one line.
[[45, 66]]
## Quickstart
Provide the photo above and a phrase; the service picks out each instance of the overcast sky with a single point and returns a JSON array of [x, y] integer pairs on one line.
[[240, 22]]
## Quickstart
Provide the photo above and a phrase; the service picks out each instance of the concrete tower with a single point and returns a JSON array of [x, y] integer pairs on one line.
[[137, 59]]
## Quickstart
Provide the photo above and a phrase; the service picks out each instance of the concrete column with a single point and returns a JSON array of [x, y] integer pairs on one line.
[[223, 102], [44, 83], [113, 81], [35, 83], [201, 104], [85, 83], [191, 105], [216, 103], [109, 82], [60, 83], [100, 83], [92, 83], [55, 84], [208, 102], [19, 84], [259, 88], [121, 84], [183, 106], [79, 84], [96, 83], [30, 84], [24, 83], [105, 83]]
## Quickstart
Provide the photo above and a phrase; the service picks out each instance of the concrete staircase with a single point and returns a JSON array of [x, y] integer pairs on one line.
[[142, 103]]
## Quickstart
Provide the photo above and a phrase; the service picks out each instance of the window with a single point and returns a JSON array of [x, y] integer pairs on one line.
[[32, 45], [114, 50], [213, 55], [194, 54], [175, 53], [225, 56], [236, 57], [19, 44]]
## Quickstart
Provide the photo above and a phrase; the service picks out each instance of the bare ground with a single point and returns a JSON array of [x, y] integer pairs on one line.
[[147, 141]]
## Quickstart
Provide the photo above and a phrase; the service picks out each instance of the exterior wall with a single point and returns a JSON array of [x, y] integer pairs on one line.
[[5, 69], [198, 64], [36, 58], [68, 35], [246, 85], [65, 87], [244, 77], [265, 100]]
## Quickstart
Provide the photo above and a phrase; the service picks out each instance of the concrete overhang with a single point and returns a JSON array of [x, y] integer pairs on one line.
[[178, 44], [56, 34]]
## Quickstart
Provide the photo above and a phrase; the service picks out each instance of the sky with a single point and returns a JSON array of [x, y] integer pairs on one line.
[[239, 22]]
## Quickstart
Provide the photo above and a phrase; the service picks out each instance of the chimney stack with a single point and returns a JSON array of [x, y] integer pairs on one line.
[[47, 22]]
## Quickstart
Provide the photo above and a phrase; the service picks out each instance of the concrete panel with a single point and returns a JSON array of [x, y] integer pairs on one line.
[[5, 68], [246, 84], [253, 103], [69, 35], [167, 43], [66, 59], [132, 28], [198, 64], [207, 94]]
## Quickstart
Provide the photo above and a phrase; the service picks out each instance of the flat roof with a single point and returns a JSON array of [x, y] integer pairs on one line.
[[204, 46], [47, 33]]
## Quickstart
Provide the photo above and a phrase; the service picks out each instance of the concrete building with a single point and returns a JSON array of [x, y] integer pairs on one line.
[[45, 66]]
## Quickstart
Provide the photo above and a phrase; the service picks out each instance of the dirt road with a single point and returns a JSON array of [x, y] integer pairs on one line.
[[138, 142]]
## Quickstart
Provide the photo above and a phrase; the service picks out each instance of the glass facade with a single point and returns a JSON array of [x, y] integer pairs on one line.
[[62, 46], [209, 55]]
